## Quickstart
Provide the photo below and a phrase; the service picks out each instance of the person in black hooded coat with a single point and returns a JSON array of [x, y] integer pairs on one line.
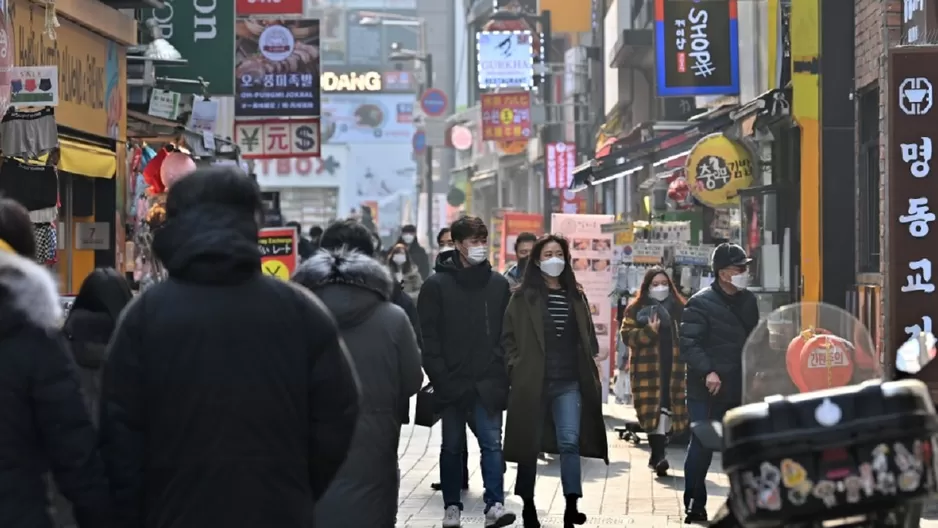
[[228, 397], [418, 255], [44, 424]]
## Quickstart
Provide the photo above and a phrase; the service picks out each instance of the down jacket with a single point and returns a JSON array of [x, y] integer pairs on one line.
[[357, 290], [44, 424]]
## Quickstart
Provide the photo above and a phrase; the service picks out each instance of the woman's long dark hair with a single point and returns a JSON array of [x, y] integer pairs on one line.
[[643, 299], [105, 290], [533, 279], [393, 265]]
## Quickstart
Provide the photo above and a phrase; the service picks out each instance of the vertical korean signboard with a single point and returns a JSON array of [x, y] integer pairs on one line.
[[506, 116], [912, 192], [561, 160]]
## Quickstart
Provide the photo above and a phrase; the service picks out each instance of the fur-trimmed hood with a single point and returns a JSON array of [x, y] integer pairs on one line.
[[29, 291], [350, 283]]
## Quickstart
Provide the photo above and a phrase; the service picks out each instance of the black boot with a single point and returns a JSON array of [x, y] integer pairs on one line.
[[529, 515], [572, 515], [658, 461]]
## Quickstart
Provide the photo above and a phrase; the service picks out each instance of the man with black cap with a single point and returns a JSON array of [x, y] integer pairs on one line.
[[714, 327]]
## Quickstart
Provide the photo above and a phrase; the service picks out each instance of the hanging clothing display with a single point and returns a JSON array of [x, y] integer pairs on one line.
[[34, 186], [28, 134], [46, 243]]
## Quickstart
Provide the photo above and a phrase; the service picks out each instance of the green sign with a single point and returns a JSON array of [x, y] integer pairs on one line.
[[203, 32]]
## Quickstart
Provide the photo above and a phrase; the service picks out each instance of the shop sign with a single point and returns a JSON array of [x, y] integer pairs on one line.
[[506, 116], [204, 114], [92, 70], [269, 7], [204, 33], [911, 189], [505, 59], [697, 48], [325, 171], [561, 160], [279, 255], [278, 139], [164, 104], [93, 236], [717, 169], [34, 86], [280, 79], [918, 19]]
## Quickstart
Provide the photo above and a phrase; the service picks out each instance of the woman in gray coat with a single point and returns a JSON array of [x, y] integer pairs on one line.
[[357, 290]]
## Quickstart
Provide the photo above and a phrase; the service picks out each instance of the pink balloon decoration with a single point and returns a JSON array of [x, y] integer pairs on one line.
[[175, 167]]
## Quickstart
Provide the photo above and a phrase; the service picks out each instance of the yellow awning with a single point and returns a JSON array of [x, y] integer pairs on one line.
[[84, 160]]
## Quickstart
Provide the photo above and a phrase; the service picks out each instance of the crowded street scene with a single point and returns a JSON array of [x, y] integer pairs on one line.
[[467, 264]]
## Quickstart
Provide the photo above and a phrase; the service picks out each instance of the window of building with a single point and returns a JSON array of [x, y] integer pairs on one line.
[[868, 184]]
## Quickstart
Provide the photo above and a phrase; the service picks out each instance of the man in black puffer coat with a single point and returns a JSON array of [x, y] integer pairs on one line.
[[461, 309], [228, 397], [714, 327]]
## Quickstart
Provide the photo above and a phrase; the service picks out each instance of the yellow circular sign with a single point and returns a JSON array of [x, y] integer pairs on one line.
[[275, 268], [507, 116], [717, 168]]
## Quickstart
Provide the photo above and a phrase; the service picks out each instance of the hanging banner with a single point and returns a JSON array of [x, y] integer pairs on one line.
[[278, 68], [505, 59], [204, 34], [696, 47], [279, 255], [591, 257], [561, 160], [717, 168], [506, 116]]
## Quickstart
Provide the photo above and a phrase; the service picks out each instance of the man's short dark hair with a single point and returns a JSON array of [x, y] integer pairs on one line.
[[315, 231], [468, 227], [439, 236], [224, 186], [350, 234], [16, 229], [409, 228], [296, 225], [525, 237]]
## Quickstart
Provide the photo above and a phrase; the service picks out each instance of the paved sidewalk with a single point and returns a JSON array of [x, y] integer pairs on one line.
[[624, 493]]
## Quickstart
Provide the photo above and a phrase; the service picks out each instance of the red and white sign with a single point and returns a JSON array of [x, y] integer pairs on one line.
[[561, 160], [329, 170], [268, 7], [278, 138], [460, 137]]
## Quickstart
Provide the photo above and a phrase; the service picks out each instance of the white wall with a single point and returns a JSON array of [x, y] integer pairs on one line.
[[753, 16]]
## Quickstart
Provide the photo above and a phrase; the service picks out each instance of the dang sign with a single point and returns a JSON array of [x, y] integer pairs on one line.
[[505, 59]]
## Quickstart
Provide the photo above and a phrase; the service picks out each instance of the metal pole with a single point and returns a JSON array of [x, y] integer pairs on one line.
[[428, 159], [547, 130]]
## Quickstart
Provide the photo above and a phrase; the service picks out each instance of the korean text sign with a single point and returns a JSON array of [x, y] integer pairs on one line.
[[505, 59], [279, 256], [696, 47], [912, 192], [506, 116], [277, 70], [561, 160]]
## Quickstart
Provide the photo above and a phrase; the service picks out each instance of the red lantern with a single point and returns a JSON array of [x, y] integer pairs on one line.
[[793, 354], [826, 361]]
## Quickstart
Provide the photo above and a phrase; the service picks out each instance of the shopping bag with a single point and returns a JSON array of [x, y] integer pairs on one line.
[[623, 388], [425, 413]]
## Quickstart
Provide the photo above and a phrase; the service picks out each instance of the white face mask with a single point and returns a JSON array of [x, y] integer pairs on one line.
[[399, 259], [741, 281], [553, 266], [408, 238], [477, 254], [659, 293]]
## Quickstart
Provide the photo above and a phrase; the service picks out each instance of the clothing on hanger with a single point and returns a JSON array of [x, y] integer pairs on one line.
[[28, 134]]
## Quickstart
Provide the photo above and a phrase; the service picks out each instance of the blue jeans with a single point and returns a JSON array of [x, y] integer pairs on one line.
[[563, 400], [698, 459], [488, 431]]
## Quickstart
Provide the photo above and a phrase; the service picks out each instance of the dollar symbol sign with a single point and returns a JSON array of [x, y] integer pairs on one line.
[[305, 138]]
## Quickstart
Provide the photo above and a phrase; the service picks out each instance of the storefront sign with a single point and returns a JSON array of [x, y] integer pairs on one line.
[[204, 114], [203, 32], [279, 255], [912, 133], [717, 168], [278, 139], [918, 19], [367, 118], [34, 86], [561, 160], [351, 82], [281, 79], [92, 70], [506, 116], [696, 48], [505, 59], [269, 7], [164, 104], [325, 171], [93, 236]]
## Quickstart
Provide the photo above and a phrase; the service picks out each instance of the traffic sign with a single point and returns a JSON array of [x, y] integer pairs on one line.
[[434, 102], [420, 142]]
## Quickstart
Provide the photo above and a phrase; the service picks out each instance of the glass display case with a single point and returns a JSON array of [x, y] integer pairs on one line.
[[768, 236]]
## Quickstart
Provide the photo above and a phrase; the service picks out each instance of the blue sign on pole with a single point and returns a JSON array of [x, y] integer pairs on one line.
[[420, 142], [433, 102]]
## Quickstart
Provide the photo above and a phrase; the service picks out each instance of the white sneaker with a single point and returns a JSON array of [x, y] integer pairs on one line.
[[452, 518], [498, 516]]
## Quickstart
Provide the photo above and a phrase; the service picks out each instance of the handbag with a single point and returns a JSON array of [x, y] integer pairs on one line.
[[425, 414]]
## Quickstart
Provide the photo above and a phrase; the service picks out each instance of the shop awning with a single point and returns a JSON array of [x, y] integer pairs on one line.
[[84, 159]]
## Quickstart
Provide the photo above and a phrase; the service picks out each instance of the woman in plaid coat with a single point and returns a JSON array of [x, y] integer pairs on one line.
[[650, 329]]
